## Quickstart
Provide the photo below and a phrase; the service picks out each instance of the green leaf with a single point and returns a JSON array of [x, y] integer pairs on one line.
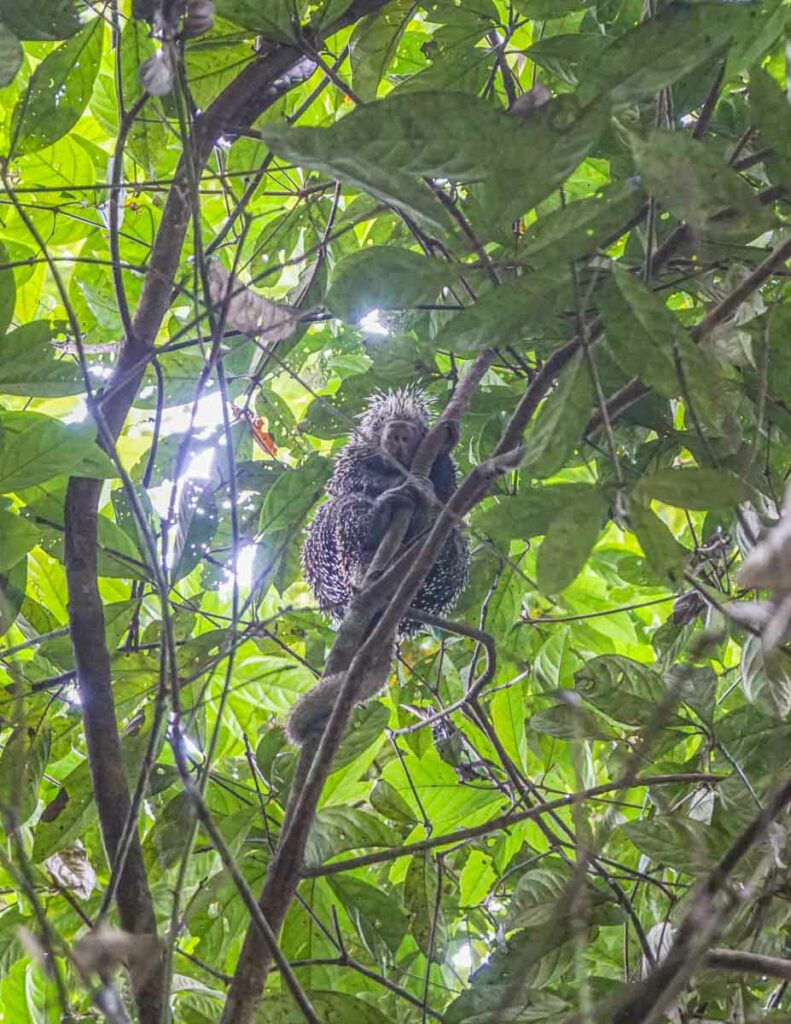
[[524, 309], [293, 494], [276, 19], [373, 44], [569, 540], [580, 228], [676, 842], [22, 765], [662, 50], [35, 448], [385, 147], [383, 277], [695, 182], [566, 55], [621, 688], [766, 678], [17, 537], [280, 1008], [147, 136], [543, 10], [7, 293], [694, 488], [477, 879], [45, 21], [387, 801], [648, 341], [530, 513], [31, 366], [376, 914], [12, 594], [338, 829], [568, 722], [664, 553], [771, 114], [426, 920], [561, 420], [10, 56], [58, 91]]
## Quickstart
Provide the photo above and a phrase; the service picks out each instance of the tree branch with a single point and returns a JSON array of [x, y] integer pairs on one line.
[[274, 72]]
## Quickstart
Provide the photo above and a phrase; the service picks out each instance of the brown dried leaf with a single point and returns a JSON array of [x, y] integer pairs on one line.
[[105, 948], [72, 869], [248, 312]]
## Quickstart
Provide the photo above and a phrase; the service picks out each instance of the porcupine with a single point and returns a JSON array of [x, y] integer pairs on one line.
[[369, 480]]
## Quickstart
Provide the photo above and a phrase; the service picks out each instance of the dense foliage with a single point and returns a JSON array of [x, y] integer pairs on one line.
[[199, 290]]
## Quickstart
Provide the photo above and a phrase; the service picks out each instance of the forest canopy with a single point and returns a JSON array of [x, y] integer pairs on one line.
[[224, 227]]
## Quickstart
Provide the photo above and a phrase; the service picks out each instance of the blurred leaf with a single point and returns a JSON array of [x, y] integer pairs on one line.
[[53, 19], [22, 763], [569, 540], [277, 20], [675, 842], [696, 183], [647, 340], [664, 553], [7, 284], [693, 487], [10, 56], [561, 421], [663, 49], [35, 448]]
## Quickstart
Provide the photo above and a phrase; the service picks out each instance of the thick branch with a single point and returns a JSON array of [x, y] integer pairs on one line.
[[356, 662]]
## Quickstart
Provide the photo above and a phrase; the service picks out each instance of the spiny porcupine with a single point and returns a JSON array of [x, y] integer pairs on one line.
[[347, 529], [366, 485]]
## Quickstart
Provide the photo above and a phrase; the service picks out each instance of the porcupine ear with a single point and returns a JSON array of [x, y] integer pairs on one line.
[[410, 403]]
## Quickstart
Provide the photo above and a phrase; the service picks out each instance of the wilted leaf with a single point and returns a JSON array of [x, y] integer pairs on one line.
[[72, 869], [248, 312]]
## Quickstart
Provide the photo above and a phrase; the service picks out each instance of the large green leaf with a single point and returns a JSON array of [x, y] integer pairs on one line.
[[569, 540], [47, 20], [373, 44], [276, 19], [35, 448], [770, 112], [59, 91], [561, 421], [661, 50], [382, 277], [385, 148], [17, 537], [7, 292], [10, 56], [693, 487], [695, 182], [30, 365], [648, 341]]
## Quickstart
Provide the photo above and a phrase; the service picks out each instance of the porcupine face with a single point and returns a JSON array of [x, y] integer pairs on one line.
[[406, 405], [400, 439]]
